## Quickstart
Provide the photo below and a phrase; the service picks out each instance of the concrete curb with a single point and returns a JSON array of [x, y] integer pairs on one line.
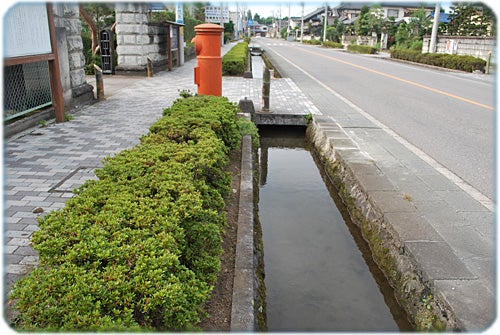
[[420, 282], [242, 313]]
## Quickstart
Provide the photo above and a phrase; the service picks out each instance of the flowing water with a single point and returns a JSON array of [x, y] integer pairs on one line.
[[319, 274]]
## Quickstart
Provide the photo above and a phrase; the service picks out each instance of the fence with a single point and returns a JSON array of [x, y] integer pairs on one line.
[[26, 89]]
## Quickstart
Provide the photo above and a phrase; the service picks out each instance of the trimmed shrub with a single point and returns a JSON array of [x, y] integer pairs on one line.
[[312, 41], [361, 49], [139, 248], [330, 44], [456, 62], [234, 62]]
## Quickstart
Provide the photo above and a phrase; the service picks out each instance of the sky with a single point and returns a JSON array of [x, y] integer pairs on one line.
[[274, 7]]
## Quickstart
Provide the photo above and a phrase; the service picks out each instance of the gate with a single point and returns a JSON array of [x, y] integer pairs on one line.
[[107, 51]]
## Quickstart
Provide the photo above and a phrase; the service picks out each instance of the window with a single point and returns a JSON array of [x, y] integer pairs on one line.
[[393, 12]]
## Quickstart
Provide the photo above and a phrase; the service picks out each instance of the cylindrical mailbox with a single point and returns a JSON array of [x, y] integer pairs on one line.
[[208, 70]]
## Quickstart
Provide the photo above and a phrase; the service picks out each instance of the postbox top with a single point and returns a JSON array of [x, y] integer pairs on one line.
[[208, 28]]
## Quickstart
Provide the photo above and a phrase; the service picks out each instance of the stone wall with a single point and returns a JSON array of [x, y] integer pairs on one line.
[[479, 47], [138, 39], [76, 90]]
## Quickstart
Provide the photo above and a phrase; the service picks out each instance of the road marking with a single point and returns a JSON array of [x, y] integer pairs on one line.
[[425, 87], [467, 188]]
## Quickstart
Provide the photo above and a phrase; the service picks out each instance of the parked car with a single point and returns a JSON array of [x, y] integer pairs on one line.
[[255, 49]]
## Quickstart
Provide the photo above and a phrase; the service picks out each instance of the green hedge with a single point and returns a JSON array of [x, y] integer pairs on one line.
[[139, 248], [234, 62], [361, 49], [312, 41], [456, 62], [330, 44]]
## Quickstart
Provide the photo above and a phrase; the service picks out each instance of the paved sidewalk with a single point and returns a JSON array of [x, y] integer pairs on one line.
[[450, 234], [44, 165]]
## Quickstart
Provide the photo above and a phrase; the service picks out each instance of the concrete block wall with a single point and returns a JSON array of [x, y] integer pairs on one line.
[[76, 90], [138, 39], [479, 47]]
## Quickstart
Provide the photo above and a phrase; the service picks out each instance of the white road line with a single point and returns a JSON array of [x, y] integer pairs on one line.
[[467, 188]]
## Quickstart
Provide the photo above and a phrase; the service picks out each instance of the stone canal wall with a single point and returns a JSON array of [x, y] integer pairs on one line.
[[346, 166]]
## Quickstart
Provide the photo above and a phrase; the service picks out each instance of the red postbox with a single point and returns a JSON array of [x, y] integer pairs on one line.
[[208, 70]]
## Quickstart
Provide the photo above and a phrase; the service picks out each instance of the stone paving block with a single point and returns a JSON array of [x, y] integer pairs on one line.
[[438, 261], [461, 201], [412, 227], [464, 296], [391, 201], [372, 182], [482, 222], [438, 182], [467, 242]]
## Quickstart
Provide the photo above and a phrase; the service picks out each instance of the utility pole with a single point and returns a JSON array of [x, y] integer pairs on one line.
[[435, 25], [222, 22], [326, 21], [302, 24], [288, 28]]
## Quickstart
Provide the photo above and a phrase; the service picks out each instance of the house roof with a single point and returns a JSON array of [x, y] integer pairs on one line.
[[315, 13], [402, 4], [443, 17]]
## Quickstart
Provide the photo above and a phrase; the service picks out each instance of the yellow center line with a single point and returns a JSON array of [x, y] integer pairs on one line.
[[435, 90]]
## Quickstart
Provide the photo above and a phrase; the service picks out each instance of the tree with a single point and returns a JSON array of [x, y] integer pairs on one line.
[[471, 19], [419, 24], [198, 10], [361, 26], [97, 16], [334, 33], [375, 19], [402, 34], [369, 21]]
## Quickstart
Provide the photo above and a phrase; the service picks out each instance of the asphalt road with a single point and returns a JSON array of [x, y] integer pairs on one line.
[[448, 115]]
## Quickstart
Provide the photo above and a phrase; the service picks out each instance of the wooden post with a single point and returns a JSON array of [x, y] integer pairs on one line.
[[266, 89], [150, 67], [99, 83]]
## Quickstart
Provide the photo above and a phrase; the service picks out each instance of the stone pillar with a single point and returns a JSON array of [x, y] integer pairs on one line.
[[76, 90], [133, 38]]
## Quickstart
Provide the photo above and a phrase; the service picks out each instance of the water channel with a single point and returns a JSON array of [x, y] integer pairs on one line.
[[319, 274]]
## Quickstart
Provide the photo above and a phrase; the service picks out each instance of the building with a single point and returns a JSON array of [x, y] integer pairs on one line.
[[348, 12]]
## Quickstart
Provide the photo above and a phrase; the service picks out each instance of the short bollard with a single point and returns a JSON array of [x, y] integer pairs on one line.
[[266, 89], [99, 82], [150, 67]]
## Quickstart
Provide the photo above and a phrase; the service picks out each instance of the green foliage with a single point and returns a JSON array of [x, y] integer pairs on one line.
[[234, 62], [68, 117], [456, 62], [162, 15], [138, 249], [328, 44], [247, 127], [471, 19], [312, 41], [189, 24], [370, 20], [361, 49]]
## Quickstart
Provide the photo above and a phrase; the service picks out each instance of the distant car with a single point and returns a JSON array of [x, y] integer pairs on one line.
[[255, 49]]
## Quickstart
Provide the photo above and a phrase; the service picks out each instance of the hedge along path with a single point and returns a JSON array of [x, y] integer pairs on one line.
[[139, 248], [234, 62]]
